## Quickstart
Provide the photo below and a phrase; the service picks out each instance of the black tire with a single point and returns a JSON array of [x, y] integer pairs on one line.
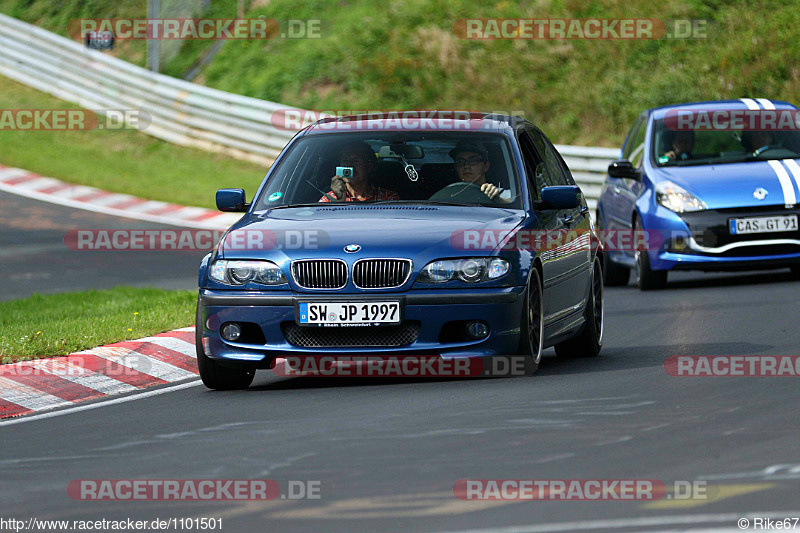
[[590, 340], [531, 340], [647, 279], [214, 375], [614, 275]]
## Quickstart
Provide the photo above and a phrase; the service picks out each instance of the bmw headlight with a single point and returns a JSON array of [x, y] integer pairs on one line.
[[242, 272], [677, 199], [471, 270]]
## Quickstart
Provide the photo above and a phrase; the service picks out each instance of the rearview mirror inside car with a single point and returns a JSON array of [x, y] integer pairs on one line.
[[409, 151]]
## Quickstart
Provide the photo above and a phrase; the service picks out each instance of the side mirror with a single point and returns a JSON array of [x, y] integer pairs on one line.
[[624, 169], [232, 200], [561, 197]]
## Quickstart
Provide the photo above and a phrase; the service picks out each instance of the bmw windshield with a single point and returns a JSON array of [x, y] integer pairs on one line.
[[458, 168]]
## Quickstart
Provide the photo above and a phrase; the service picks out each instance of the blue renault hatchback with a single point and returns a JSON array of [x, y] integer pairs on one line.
[[714, 185], [373, 235]]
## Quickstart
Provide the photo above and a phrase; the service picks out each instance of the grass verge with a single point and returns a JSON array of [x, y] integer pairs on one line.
[[60, 324], [125, 161]]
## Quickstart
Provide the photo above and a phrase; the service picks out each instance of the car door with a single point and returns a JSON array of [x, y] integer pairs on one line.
[[573, 248], [554, 266], [630, 189], [616, 217], [548, 218]]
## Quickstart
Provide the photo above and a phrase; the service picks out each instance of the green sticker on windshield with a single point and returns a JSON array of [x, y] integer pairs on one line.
[[663, 159], [275, 196]]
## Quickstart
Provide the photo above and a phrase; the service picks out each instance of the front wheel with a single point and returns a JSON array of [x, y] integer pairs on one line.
[[531, 342], [590, 341], [214, 375], [647, 279]]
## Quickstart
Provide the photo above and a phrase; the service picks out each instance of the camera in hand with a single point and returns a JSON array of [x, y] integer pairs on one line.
[[345, 172]]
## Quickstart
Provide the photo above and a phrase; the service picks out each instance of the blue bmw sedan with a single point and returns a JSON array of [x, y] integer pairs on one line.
[[716, 184], [449, 236]]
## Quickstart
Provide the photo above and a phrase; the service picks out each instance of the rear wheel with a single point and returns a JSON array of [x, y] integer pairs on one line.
[[590, 341], [531, 341], [614, 275], [647, 279], [214, 375]]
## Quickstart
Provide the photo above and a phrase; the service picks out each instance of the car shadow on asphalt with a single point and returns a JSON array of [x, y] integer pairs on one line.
[[611, 359], [616, 358]]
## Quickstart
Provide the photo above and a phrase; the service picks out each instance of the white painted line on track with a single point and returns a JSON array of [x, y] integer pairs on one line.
[[99, 404]]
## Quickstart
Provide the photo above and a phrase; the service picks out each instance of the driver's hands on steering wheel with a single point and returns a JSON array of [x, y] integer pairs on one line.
[[490, 190]]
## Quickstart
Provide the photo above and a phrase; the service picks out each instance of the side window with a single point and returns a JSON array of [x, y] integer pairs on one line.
[[634, 143], [553, 173], [534, 167], [626, 150], [565, 173], [637, 148]]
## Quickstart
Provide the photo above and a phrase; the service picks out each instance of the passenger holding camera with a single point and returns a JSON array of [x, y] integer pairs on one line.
[[356, 188]]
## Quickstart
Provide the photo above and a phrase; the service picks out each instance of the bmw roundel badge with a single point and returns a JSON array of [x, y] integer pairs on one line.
[[352, 248]]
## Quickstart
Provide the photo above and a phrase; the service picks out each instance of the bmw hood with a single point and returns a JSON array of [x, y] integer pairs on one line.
[[735, 184], [420, 233]]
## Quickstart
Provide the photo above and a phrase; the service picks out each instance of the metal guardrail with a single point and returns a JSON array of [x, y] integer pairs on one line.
[[185, 113]]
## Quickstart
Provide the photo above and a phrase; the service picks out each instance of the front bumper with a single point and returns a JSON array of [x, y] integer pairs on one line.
[[702, 241], [435, 316]]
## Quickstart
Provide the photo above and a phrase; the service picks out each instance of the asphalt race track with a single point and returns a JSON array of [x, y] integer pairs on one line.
[[35, 258], [388, 452]]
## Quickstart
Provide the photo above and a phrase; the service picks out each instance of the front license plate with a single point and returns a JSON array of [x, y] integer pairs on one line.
[[348, 313], [740, 226]]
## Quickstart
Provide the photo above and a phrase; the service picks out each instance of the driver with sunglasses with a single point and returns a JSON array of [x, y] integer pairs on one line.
[[472, 162]]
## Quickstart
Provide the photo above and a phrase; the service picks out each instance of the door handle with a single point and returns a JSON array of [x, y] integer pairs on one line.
[[584, 209], [617, 189], [566, 220]]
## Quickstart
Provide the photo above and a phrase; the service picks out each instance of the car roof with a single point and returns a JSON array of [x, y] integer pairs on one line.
[[741, 103], [418, 120]]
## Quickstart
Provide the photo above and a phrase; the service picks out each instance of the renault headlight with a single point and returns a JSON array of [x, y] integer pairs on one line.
[[677, 199], [242, 272]]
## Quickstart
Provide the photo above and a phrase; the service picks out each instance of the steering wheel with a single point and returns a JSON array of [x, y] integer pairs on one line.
[[461, 191]]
